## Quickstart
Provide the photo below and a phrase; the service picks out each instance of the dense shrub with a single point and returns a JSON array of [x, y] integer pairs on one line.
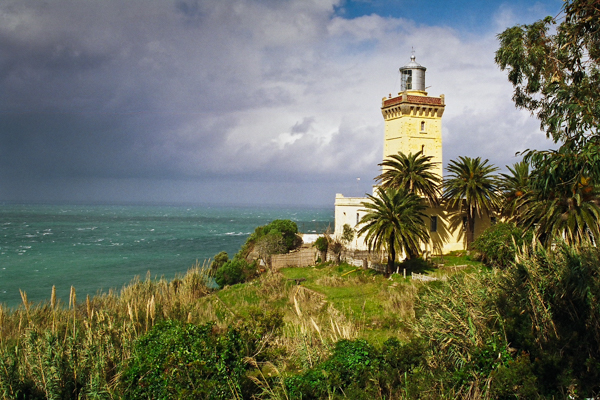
[[185, 361], [287, 229], [282, 230], [235, 271], [418, 265], [499, 243], [530, 330], [358, 370], [321, 244], [549, 304], [218, 261]]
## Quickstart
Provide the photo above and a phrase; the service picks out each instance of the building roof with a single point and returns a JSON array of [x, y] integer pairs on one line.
[[434, 101]]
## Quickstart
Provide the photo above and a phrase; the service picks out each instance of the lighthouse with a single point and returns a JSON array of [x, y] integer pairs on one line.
[[413, 119]]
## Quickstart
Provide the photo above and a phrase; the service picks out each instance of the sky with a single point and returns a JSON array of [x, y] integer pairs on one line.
[[242, 102]]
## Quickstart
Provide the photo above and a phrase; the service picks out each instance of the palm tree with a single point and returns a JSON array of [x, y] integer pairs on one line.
[[473, 186], [515, 187], [394, 222], [413, 172], [564, 199]]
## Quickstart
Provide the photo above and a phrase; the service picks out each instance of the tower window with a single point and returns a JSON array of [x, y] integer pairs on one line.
[[406, 80], [422, 126], [423, 149], [357, 218], [434, 223]]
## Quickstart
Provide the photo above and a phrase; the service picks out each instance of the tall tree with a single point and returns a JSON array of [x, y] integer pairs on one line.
[[412, 172], [472, 186], [554, 66], [556, 72], [514, 187], [563, 200], [394, 221]]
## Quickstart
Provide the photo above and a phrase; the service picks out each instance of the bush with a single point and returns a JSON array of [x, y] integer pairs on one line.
[[321, 244], [417, 265], [347, 234], [532, 330], [235, 271], [499, 243], [284, 229], [185, 361], [287, 229], [351, 367], [358, 370], [218, 261]]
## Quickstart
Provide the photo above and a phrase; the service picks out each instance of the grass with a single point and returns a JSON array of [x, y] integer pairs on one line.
[[330, 303]]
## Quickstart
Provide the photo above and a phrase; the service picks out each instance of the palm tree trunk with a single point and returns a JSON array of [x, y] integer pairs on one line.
[[391, 257], [470, 229]]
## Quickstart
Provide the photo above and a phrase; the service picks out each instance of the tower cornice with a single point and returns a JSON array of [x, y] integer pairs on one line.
[[411, 104]]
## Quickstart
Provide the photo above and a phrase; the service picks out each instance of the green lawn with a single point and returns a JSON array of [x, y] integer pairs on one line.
[[377, 307]]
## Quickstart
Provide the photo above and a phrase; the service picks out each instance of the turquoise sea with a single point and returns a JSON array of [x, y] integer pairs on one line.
[[100, 247]]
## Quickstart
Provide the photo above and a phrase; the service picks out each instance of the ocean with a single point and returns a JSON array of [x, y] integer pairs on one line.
[[95, 248]]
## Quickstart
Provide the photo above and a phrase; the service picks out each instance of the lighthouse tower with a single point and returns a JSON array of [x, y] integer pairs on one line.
[[413, 120]]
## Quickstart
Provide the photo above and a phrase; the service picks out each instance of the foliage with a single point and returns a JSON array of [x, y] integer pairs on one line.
[[412, 172], [347, 234], [514, 187], [530, 330], [284, 227], [321, 244], [279, 230], [218, 261], [185, 361], [418, 265], [563, 200], [472, 186], [269, 244], [394, 220], [556, 75], [549, 302], [499, 244], [357, 370], [235, 271], [49, 351]]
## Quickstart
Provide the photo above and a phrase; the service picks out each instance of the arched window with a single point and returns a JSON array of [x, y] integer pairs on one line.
[[422, 126]]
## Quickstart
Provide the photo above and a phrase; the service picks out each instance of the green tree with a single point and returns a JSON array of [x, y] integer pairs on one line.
[[412, 172], [514, 187], [269, 244], [284, 229], [347, 234], [234, 271], [553, 65], [394, 221], [555, 72], [218, 261], [472, 186], [564, 200]]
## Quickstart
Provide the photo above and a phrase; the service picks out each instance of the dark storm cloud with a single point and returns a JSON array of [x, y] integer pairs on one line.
[[170, 100], [86, 94]]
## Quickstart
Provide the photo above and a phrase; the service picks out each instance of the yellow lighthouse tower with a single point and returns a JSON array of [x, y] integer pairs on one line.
[[413, 123], [413, 120]]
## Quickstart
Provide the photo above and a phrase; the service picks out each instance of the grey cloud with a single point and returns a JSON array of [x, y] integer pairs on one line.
[[191, 94]]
